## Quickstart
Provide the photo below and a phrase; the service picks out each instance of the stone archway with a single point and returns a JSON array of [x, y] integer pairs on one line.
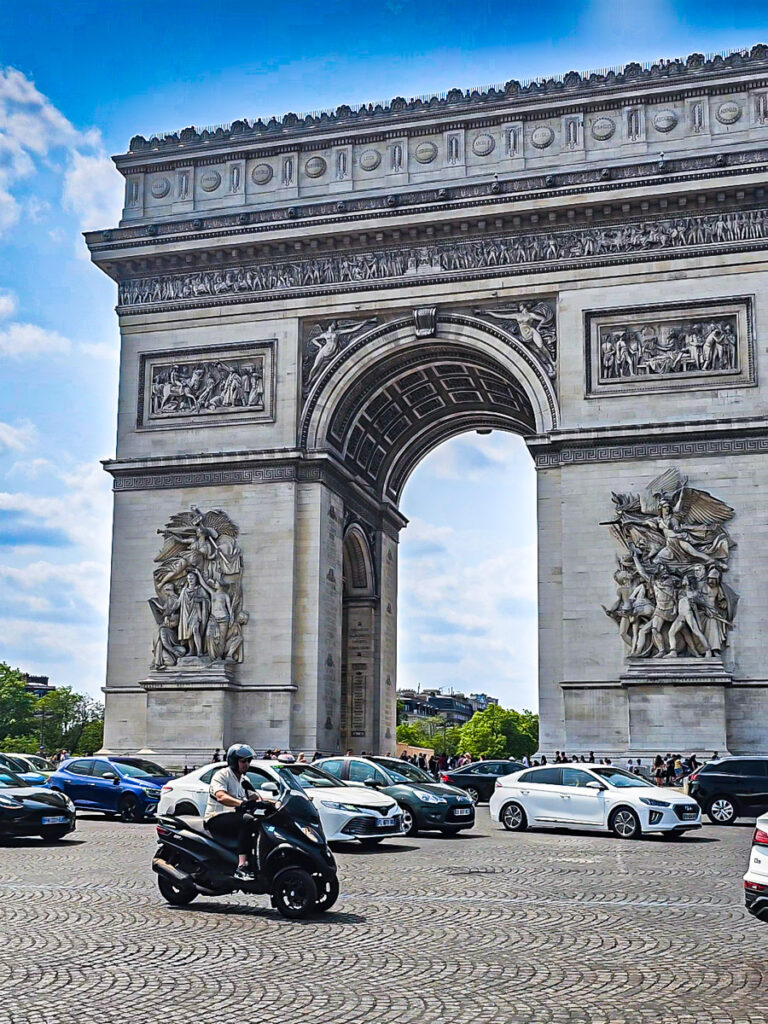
[[358, 709]]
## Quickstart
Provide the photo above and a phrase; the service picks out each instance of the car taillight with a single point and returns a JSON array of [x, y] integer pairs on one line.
[[755, 887], [693, 777], [166, 789], [445, 778], [498, 783], [760, 838]]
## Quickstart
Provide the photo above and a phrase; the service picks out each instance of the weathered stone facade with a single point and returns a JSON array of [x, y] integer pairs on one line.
[[309, 306]]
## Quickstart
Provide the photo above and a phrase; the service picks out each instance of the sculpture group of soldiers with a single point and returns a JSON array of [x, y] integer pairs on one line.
[[206, 387], [198, 602], [531, 247], [670, 596], [690, 347]]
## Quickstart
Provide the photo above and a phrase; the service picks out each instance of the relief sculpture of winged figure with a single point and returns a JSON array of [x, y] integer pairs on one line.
[[198, 590], [674, 551]]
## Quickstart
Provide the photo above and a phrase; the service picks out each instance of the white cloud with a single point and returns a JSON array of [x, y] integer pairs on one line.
[[100, 350], [21, 341], [8, 304], [33, 131], [17, 438]]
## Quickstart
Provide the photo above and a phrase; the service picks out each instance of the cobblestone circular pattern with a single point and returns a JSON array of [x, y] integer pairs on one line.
[[542, 928]]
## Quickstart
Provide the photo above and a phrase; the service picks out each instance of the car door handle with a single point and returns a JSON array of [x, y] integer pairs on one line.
[[525, 792]]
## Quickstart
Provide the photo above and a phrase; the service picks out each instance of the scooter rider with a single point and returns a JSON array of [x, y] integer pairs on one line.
[[227, 799]]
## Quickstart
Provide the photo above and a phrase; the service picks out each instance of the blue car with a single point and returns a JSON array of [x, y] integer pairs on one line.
[[125, 786]]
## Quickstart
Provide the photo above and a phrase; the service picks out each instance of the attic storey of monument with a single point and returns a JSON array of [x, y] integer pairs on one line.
[[308, 307]]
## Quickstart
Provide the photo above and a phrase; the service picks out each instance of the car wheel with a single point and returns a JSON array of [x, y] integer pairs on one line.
[[371, 842], [625, 823], [53, 835], [473, 794], [327, 891], [129, 809], [410, 828], [513, 818], [722, 811], [294, 893], [176, 895], [187, 809]]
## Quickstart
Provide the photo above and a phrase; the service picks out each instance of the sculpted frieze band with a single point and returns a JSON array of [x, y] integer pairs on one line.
[[676, 235]]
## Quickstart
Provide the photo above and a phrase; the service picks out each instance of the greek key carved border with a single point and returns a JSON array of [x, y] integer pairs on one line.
[[652, 450], [204, 478]]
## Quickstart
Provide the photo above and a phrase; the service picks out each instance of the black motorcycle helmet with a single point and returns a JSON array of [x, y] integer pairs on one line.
[[236, 751]]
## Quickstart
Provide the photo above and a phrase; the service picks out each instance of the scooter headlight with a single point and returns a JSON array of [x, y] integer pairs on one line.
[[310, 834]]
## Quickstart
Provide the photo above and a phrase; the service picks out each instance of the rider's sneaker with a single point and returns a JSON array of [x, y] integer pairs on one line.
[[244, 875]]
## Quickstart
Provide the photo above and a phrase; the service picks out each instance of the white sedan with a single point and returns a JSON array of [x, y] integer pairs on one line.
[[756, 878], [591, 797], [347, 813]]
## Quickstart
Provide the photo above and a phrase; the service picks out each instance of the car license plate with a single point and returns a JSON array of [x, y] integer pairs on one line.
[[463, 810], [690, 816], [386, 822], [60, 819]]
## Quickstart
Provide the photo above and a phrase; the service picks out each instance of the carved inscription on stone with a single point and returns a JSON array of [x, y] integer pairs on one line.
[[198, 602], [671, 596], [592, 245], [657, 348], [206, 385]]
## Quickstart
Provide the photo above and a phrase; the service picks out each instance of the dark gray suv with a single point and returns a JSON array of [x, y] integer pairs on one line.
[[731, 788]]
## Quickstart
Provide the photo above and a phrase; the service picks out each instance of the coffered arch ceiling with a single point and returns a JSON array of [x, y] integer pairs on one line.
[[411, 401]]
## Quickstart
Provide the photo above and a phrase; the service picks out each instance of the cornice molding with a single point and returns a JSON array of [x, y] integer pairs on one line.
[[694, 71]]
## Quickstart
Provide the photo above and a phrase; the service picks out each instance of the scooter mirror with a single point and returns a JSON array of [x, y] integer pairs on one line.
[[269, 787]]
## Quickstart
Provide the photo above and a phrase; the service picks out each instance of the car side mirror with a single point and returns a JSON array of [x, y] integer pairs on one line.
[[269, 787], [109, 775], [595, 785], [372, 783]]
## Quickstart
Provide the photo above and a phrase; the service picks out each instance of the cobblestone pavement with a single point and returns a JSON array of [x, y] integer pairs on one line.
[[540, 928]]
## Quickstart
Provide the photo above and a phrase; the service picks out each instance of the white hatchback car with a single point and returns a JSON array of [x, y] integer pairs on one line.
[[591, 796], [756, 878], [347, 813]]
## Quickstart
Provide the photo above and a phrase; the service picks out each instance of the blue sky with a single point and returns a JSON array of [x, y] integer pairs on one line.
[[77, 80]]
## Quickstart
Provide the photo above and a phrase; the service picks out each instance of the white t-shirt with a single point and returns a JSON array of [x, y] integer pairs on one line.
[[224, 779]]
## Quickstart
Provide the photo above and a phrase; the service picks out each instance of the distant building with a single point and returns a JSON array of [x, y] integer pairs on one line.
[[453, 708], [481, 701], [37, 685]]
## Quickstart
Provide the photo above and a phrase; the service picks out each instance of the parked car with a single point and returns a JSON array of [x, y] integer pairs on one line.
[[17, 765], [27, 810], [37, 763], [756, 878], [346, 814], [731, 788], [427, 805], [478, 780], [591, 797], [125, 786]]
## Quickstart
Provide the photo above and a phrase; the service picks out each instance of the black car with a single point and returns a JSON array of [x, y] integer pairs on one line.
[[730, 788], [427, 805], [27, 810], [478, 780]]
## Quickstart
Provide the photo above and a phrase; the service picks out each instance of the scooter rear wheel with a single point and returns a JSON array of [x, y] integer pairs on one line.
[[294, 893], [174, 894], [327, 891]]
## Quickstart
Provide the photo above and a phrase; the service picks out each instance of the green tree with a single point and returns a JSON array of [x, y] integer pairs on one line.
[[63, 716], [16, 703], [91, 738], [499, 732], [414, 734]]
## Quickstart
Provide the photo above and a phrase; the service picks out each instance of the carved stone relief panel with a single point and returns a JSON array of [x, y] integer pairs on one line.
[[195, 387], [674, 552], [322, 343], [663, 348]]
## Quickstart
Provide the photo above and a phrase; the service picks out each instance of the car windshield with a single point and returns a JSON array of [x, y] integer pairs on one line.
[[9, 780], [618, 777], [307, 775], [138, 769], [13, 763], [40, 762], [403, 771]]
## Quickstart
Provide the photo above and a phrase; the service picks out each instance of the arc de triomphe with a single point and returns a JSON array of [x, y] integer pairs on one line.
[[308, 306]]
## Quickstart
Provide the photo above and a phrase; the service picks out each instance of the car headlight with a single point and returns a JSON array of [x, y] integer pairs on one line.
[[310, 833], [650, 802], [9, 801], [430, 798], [68, 803], [336, 806]]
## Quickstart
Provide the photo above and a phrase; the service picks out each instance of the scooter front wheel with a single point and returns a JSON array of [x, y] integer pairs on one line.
[[327, 891], [174, 894], [294, 893]]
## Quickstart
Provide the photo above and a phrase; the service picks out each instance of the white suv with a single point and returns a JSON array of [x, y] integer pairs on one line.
[[346, 812], [756, 878], [591, 796]]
